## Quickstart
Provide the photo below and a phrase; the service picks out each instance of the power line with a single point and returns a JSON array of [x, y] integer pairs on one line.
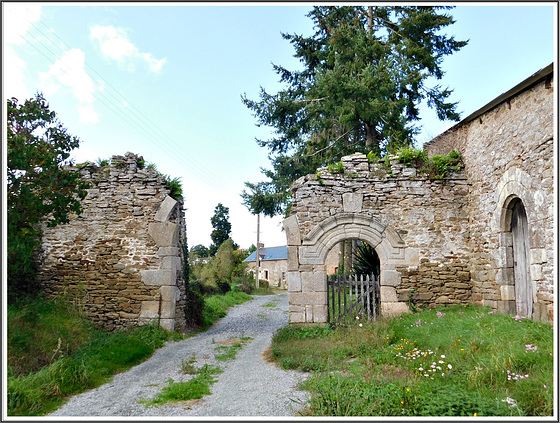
[[126, 111]]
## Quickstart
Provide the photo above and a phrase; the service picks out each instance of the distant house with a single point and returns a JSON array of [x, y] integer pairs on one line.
[[273, 265]]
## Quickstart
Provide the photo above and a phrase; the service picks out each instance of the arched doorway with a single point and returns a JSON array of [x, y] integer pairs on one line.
[[308, 264], [521, 261]]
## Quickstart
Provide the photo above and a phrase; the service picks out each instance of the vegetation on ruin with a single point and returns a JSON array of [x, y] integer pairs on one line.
[[450, 361], [436, 166]]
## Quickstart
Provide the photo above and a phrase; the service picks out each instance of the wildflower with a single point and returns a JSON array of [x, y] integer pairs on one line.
[[360, 325], [474, 414], [440, 314], [530, 347], [357, 317], [517, 317], [442, 356], [544, 386], [449, 366], [511, 402]]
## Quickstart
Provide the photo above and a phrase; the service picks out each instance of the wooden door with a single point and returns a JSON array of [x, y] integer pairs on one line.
[[521, 263]]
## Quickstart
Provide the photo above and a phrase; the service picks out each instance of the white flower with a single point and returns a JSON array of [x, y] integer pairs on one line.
[[449, 366]]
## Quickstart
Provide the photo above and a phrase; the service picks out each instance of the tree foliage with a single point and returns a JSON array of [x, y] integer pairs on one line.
[[365, 72], [199, 251], [222, 227], [40, 189]]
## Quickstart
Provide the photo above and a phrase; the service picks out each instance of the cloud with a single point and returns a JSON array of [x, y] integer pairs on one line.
[[18, 18], [70, 72], [115, 44], [14, 85]]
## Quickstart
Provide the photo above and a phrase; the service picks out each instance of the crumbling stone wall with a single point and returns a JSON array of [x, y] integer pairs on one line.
[[508, 152], [418, 227], [121, 259]]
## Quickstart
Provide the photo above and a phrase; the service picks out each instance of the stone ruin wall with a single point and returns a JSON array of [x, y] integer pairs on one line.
[[509, 151], [428, 215], [121, 259]]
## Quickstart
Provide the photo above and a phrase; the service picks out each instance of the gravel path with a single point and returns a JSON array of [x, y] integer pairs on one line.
[[248, 386]]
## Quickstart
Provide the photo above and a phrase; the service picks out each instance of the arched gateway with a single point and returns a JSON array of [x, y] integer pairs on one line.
[[306, 262], [417, 227]]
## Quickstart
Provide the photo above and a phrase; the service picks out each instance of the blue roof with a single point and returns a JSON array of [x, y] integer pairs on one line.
[[270, 253]]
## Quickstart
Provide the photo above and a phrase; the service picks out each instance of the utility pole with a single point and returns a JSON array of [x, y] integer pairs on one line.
[[258, 257]]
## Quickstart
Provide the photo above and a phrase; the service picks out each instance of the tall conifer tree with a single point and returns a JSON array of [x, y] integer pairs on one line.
[[365, 72]]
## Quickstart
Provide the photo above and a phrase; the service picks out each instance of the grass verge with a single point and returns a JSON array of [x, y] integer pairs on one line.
[[452, 361]]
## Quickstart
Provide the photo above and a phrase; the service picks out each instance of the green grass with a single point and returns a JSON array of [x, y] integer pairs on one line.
[[216, 305], [55, 352], [229, 352], [194, 388], [454, 361]]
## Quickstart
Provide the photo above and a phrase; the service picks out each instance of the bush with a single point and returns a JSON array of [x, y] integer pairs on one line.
[[194, 305], [224, 287]]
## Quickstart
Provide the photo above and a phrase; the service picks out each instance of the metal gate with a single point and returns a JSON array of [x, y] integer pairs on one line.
[[354, 296]]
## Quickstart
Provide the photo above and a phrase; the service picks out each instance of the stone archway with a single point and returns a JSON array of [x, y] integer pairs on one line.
[[307, 254], [517, 288]]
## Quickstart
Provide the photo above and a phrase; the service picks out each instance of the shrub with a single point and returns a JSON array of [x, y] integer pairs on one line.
[[224, 287]]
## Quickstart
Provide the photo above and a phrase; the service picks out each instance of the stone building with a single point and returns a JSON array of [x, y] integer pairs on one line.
[[121, 259], [484, 233], [273, 265]]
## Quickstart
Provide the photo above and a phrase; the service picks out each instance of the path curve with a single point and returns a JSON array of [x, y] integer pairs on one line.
[[248, 386]]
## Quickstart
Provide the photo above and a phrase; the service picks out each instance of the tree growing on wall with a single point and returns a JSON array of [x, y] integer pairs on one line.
[[40, 189], [365, 72], [222, 228]]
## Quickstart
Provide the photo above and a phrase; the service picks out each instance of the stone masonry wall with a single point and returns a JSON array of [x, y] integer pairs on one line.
[[508, 153], [121, 259], [423, 222]]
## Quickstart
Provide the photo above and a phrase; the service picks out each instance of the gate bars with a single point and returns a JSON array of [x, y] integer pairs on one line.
[[351, 296]]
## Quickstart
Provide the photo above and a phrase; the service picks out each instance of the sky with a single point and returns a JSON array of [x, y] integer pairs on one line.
[[165, 80]]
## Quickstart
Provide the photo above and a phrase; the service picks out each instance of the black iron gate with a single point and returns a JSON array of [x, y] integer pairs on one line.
[[354, 296]]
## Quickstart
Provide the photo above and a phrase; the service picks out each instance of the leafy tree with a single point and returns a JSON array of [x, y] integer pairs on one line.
[[200, 251], [40, 189], [365, 72], [222, 227]]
